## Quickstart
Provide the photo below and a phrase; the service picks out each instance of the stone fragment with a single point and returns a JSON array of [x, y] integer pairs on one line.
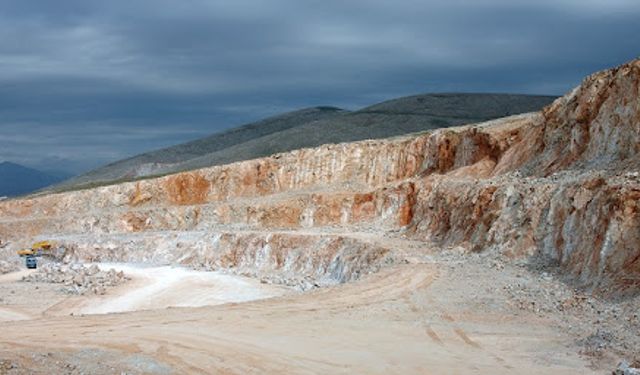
[[625, 369], [77, 278]]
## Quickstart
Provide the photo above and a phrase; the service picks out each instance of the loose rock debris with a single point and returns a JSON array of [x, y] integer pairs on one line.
[[625, 369], [78, 279]]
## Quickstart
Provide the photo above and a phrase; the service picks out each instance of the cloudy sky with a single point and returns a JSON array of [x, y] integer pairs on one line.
[[87, 82]]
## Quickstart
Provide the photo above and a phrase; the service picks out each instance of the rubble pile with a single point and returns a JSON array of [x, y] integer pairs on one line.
[[527, 295], [78, 279], [604, 326], [557, 296]]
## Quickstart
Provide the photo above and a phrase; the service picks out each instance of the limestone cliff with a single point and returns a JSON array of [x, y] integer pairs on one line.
[[562, 183]]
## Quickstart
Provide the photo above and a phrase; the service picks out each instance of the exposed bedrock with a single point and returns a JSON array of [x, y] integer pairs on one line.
[[587, 224], [562, 184], [285, 258]]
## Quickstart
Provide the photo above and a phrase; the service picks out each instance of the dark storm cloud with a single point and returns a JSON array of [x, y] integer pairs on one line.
[[86, 82]]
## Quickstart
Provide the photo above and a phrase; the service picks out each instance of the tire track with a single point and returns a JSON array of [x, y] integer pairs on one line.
[[455, 328]]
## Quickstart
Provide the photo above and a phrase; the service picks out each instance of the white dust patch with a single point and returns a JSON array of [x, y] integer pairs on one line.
[[7, 314], [161, 287]]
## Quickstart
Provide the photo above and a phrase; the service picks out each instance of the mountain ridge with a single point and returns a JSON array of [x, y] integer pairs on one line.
[[17, 179], [311, 127]]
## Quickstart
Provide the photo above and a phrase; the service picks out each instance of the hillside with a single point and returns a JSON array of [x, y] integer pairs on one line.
[[502, 247], [313, 127], [16, 179]]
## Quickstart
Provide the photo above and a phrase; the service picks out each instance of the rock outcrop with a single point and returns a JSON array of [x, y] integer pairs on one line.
[[561, 184]]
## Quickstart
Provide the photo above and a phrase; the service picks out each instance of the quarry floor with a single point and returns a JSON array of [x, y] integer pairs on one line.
[[437, 314]]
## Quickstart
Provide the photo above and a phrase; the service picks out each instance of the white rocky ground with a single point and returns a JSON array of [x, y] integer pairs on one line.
[[452, 310], [167, 286], [6, 267], [114, 287]]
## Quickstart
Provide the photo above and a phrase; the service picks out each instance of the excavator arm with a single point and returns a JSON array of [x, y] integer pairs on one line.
[[37, 249], [26, 252]]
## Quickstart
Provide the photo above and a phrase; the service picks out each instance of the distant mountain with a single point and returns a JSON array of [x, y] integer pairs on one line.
[[16, 179], [313, 127]]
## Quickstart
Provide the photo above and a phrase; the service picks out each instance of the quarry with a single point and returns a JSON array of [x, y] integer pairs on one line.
[[505, 247]]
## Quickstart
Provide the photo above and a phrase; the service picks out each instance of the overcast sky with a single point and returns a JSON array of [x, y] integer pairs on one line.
[[88, 82]]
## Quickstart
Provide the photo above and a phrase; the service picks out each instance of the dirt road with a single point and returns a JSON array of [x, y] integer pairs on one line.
[[410, 319]]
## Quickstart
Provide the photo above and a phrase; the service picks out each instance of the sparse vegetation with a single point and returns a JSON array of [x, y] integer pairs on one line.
[[310, 128]]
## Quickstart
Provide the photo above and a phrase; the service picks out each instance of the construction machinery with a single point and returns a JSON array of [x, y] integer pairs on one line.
[[38, 249]]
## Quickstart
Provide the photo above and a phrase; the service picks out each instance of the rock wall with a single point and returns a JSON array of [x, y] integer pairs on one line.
[[587, 223], [562, 183], [297, 260]]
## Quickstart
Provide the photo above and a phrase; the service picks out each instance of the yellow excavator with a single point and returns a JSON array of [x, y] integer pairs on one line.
[[38, 249]]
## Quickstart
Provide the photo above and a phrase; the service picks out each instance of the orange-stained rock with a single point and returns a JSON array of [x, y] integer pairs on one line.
[[139, 197], [326, 210], [135, 222], [187, 188], [364, 207]]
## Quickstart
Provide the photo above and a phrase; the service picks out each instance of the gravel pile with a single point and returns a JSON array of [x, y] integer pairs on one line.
[[602, 326], [77, 278], [528, 295]]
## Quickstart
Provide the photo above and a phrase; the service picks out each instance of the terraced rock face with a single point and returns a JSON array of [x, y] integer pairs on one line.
[[562, 184]]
